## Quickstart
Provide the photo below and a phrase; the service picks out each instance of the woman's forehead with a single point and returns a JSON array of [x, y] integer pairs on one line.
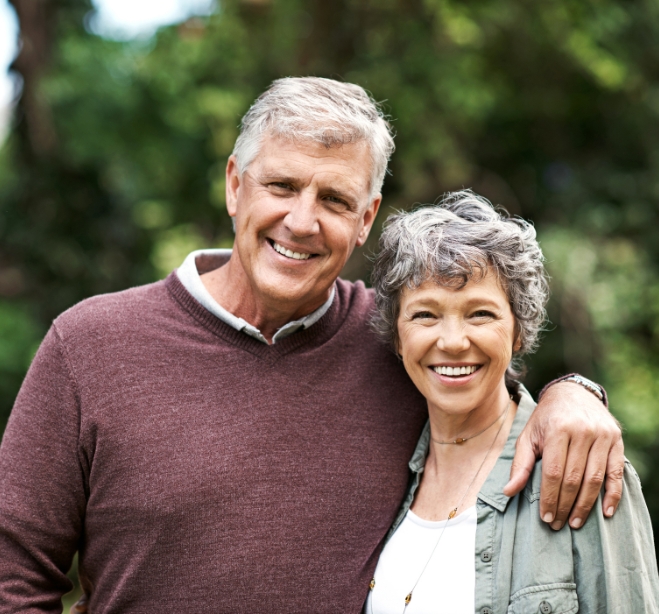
[[482, 285]]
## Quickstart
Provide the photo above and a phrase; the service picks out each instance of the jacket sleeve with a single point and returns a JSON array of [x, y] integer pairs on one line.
[[42, 496], [614, 558]]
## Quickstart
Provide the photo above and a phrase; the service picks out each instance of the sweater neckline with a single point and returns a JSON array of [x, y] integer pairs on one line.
[[315, 335]]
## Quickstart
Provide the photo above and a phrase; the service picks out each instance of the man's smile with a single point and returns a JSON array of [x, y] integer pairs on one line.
[[280, 249]]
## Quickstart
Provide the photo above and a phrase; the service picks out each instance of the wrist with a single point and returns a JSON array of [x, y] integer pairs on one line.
[[592, 387]]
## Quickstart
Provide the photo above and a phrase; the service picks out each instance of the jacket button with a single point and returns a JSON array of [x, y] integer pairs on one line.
[[486, 611], [486, 557], [545, 607]]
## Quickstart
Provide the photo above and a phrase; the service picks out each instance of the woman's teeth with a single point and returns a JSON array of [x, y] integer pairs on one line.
[[455, 371]]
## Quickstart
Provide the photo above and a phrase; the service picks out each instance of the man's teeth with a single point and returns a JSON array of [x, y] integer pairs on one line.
[[455, 371], [287, 252]]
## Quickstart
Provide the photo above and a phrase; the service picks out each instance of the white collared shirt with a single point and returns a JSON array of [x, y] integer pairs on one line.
[[189, 276]]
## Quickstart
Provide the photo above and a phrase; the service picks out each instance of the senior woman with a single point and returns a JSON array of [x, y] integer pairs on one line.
[[461, 291]]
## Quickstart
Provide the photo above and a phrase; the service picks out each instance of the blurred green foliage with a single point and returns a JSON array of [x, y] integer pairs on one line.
[[550, 109]]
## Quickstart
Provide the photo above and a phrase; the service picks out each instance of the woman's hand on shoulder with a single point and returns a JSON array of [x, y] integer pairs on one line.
[[581, 447]]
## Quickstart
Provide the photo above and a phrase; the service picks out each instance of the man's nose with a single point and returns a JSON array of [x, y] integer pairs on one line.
[[453, 337], [302, 217]]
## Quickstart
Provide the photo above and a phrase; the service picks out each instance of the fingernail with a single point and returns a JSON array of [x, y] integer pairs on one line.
[[548, 517], [575, 523], [556, 526], [609, 511]]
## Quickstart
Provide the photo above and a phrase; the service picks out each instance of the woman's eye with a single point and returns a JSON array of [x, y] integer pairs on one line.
[[482, 314], [422, 315]]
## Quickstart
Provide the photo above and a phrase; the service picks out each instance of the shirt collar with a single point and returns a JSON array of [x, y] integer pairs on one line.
[[189, 276], [492, 490]]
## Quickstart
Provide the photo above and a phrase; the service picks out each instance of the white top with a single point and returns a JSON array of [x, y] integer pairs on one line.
[[448, 583], [189, 276]]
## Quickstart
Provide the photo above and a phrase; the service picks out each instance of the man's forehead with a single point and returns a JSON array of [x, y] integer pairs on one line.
[[349, 163]]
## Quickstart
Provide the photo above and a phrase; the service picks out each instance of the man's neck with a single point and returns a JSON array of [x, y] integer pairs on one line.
[[230, 287]]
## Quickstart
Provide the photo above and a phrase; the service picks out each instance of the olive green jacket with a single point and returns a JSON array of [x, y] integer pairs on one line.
[[523, 567]]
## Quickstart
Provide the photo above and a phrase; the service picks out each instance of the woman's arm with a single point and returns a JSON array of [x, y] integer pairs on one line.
[[614, 558], [581, 447]]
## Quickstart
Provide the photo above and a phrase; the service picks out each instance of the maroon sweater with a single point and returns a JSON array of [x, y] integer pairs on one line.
[[197, 469]]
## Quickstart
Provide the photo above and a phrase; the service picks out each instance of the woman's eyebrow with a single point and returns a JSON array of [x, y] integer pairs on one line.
[[427, 301], [483, 301]]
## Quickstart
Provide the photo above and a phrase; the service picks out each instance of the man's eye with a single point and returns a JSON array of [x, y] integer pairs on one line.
[[279, 185], [336, 202]]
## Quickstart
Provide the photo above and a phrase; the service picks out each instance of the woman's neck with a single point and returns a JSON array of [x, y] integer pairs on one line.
[[447, 425], [455, 473]]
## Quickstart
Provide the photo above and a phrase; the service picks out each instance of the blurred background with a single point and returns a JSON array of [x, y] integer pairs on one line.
[[117, 118]]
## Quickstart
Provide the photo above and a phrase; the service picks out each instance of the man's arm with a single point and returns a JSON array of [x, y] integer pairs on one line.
[[581, 447], [42, 498]]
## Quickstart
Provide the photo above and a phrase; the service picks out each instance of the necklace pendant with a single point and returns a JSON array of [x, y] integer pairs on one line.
[[452, 513], [460, 440], [408, 598], [371, 586]]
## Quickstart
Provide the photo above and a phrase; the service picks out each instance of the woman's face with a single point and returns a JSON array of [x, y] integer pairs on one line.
[[457, 343]]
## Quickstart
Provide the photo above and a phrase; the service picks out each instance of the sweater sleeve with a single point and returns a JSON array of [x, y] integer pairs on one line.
[[42, 495], [614, 558]]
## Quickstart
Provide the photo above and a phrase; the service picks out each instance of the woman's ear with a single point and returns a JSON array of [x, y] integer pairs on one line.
[[398, 348], [517, 346]]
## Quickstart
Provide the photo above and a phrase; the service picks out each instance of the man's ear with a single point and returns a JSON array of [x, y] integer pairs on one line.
[[368, 219], [233, 185]]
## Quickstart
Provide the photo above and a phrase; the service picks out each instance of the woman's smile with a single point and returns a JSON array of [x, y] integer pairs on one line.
[[456, 375]]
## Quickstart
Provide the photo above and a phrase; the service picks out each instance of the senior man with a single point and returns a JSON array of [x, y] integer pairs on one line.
[[234, 438]]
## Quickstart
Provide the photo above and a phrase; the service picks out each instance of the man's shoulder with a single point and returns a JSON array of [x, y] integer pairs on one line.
[[110, 311], [357, 296]]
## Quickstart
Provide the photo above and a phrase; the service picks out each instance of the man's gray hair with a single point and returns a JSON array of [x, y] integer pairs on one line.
[[452, 242], [319, 110]]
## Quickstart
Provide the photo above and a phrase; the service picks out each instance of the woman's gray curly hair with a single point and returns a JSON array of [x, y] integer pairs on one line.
[[452, 242]]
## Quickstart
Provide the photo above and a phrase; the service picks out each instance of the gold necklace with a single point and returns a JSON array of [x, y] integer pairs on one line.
[[461, 440], [451, 515]]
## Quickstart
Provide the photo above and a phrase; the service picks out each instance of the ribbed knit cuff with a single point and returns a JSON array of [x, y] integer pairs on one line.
[[605, 399]]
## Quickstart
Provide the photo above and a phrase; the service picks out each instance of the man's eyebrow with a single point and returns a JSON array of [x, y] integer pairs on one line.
[[279, 177]]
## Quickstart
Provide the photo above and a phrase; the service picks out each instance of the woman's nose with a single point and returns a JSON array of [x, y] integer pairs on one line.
[[302, 217], [453, 338]]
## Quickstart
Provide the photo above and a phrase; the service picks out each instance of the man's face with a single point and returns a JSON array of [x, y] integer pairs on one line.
[[300, 209]]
